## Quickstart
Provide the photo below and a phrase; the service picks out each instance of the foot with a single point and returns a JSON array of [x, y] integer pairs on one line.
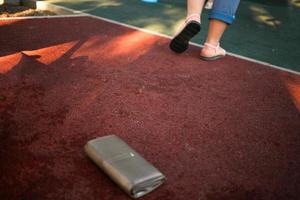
[[180, 42], [211, 52], [209, 4]]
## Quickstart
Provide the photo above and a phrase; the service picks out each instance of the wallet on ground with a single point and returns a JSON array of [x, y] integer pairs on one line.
[[125, 166]]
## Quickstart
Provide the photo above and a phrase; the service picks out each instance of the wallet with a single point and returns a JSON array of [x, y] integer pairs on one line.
[[124, 166]]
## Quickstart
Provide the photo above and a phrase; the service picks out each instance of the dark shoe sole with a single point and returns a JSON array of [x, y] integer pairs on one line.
[[180, 42], [211, 58]]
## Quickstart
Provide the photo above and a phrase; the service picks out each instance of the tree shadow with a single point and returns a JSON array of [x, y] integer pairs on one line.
[[219, 122]]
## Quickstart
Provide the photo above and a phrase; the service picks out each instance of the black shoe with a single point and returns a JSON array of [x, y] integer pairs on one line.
[[180, 42]]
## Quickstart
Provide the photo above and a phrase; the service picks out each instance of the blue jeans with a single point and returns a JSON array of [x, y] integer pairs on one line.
[[224, 10]]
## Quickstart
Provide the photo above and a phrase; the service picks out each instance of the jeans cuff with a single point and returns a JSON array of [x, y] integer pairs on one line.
[[222, 17]]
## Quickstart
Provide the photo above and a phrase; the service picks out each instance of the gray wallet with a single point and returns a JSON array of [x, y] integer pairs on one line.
[[125, 166]]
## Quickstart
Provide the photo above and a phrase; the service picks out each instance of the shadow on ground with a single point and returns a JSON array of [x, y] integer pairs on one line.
[[264, 30], [221, 130]]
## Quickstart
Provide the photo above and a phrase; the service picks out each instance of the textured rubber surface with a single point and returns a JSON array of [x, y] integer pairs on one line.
[[223, 130], [269, 20], [180, 42]]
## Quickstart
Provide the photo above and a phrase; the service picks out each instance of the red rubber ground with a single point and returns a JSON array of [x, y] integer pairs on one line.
[[224, 130]]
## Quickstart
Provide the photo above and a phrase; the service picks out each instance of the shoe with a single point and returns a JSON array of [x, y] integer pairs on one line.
[[192, 26], [210, 52], [209, 4]]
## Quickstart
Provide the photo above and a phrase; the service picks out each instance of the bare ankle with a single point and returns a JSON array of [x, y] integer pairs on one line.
[[212, 42], [193, 17]]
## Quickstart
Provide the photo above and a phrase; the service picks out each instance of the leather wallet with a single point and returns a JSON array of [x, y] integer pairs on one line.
[[124, 166]]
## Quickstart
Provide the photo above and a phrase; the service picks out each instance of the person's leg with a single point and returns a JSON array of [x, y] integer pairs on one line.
[[191, 27], [194, 7], [222, 15], [215, 31]]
